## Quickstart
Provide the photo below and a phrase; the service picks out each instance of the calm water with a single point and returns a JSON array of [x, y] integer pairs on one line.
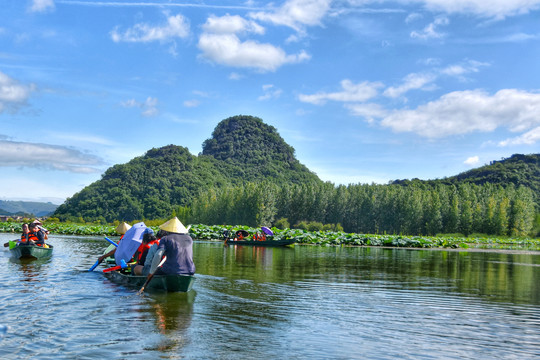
[[301, 303]]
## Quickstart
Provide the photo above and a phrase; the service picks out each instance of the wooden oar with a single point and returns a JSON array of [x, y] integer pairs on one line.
[[151, 275]]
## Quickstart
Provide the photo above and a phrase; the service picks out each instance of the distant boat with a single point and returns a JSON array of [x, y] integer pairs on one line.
[[31, 251], [170, 283], [268, 241]]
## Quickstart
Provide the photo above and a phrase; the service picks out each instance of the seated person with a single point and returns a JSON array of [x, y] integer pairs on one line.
[[25, 233], [177, 246], [145, 254], [35, 235]]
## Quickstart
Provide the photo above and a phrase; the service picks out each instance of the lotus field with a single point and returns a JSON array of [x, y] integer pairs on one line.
[[324, 238]]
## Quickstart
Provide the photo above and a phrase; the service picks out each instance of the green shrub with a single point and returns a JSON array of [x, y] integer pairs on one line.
[[282, 223]]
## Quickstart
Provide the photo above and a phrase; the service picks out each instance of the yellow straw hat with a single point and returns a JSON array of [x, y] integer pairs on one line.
[[122, 228], [175, 226]]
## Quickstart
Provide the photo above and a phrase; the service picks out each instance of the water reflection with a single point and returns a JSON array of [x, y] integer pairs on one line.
[[172, 314], [299, 303]]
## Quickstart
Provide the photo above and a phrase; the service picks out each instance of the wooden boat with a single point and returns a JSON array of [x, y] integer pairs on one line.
[[268, 241], [170, 283], [31, 251], [271, 243]]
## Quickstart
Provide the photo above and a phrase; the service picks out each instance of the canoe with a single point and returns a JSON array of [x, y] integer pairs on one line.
[[271, 243], [31, 252], [170, 283]]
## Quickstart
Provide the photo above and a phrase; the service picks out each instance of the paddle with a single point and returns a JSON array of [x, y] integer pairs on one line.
[[10, 241], [112, 242], [151, 275], [97, 261], [122, 265], [94, 266]]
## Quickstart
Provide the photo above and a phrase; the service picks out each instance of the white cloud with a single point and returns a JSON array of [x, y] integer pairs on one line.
[[12, 94], [191, 103], [41, 5], [351, 93], [463, 112], [227, 49], [472, 161], [411, 82], [270, 92], [80, 138], [148, 107], [413, 17], [426, 81], [529, 138], [296, 13], [498, 9], [459, 70], [431, 30], [44, 156], [235, 76], [176, 27], [367, 111], [231, 25]]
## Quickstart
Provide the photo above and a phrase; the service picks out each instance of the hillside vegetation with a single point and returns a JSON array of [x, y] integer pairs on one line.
[[242, 149], [247, 174]]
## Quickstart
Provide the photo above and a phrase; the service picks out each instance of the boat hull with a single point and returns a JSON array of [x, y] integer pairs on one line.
[[267, 243], [31, 252], [169, 283]]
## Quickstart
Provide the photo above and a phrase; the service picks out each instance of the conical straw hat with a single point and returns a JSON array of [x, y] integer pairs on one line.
[[122, 228], [174, 225]]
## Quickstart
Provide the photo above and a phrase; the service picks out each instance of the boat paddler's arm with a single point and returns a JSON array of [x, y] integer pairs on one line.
[[156, 260], [103, 257]]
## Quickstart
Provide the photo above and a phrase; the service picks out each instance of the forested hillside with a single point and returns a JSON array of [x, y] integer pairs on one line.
[[247, 175], [26, 208], [242, 149], [520, 170], [517, 169]]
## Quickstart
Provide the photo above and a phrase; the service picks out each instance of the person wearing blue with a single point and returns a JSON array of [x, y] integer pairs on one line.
[[177, 246]]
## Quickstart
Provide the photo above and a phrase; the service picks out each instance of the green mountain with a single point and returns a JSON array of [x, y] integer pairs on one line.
[[517, 169], [242, 149], [38, 209]]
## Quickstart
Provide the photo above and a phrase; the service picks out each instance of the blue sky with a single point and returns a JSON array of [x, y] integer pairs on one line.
[[365, 91]]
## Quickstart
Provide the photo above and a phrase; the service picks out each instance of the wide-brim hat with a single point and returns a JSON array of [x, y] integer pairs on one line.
[[37, 222], [175, 226], [122, 228]]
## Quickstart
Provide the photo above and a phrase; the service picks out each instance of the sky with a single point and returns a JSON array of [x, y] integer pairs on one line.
[[365, 91]]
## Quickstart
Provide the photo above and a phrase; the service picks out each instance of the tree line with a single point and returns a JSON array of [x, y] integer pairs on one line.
[[416, 209]]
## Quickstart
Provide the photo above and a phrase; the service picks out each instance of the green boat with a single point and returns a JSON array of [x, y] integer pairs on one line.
[[170, 283], [31, 252], [238, 237], [267, 243]]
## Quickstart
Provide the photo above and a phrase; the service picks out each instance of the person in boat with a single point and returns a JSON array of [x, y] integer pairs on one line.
[[122, 228], [36, 236], [24, 235], [127, 245], [177, 246], [145, 253], [145, 268], [40, 226]]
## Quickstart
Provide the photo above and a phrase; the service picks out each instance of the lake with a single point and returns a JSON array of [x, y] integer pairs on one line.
[[305, 302]]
